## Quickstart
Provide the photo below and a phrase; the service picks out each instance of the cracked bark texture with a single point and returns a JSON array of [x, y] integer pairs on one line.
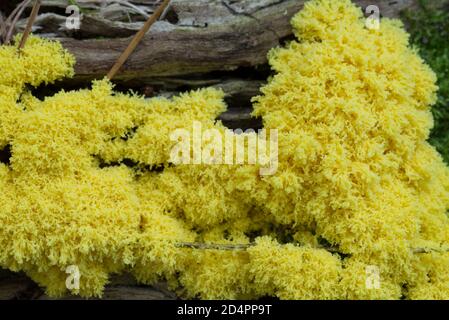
[[220, 43], [195, 38], [16, 286], [205, 42]]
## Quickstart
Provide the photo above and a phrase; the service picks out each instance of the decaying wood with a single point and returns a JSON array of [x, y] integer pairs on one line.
[[16, 286], [125, 292], [206, 36], [137, 38], [198, 43]]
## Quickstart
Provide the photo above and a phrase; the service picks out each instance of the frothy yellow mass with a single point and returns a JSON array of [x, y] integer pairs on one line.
[[352, 106]]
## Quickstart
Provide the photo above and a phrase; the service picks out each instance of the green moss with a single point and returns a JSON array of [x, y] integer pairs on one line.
[[429, 28]]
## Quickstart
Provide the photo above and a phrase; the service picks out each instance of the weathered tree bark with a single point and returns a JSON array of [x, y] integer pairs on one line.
[[220, 43], [124, 287], [194, 39]]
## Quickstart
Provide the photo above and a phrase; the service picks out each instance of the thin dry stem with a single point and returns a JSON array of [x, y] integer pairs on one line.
[[2, 28], [13, 18], [219, 246], [137, 38], [214, 246], [29, 26], [130, 5]]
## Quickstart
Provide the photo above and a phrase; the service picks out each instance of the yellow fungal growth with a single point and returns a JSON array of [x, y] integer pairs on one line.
[[292, 272], [30, 67], [356, 210], [353, 106]]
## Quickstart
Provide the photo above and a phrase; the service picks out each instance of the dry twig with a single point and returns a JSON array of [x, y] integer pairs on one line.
[[219, 246], [130, 5], [13, 18], [2, 27], [137, 38], [29, 26]]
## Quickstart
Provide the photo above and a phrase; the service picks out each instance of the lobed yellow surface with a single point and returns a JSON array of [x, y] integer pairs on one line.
[[352, 107]]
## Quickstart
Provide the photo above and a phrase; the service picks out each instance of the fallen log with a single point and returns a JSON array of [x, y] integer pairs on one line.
[[194, 37], [16, 286], [220, 43]]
